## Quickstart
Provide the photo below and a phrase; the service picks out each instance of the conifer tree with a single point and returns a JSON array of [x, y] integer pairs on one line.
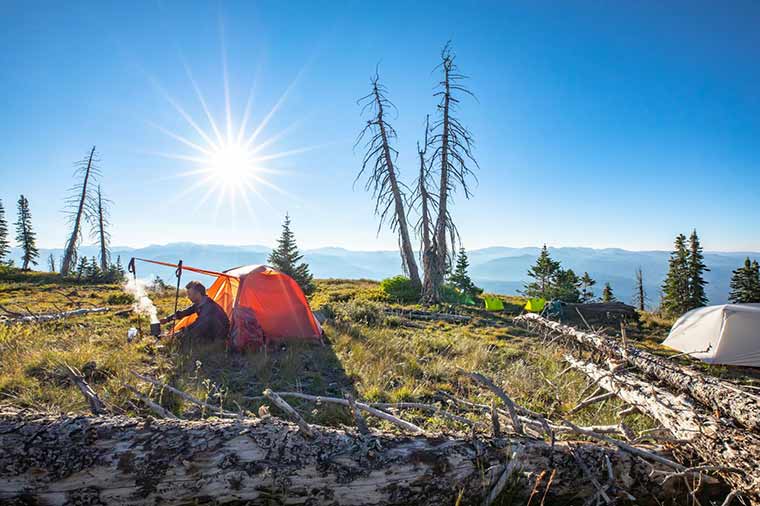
[[607, 294], [543, 272], [675, 289], [587, 294], [566, 286], [745, 283], [25, 236], [696, 268], [5, 245], [639, 297], [82, 267], [286, 259], [460, 278]]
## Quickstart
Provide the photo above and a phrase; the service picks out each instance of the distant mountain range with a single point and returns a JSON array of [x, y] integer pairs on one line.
[[497, 269]]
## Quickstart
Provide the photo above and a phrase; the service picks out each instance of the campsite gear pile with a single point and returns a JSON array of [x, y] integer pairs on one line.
[[265, 306]]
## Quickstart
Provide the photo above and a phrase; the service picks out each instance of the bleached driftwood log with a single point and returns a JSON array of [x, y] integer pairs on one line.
[[735, 450], [711, 392], [55, 460], [44, 317]]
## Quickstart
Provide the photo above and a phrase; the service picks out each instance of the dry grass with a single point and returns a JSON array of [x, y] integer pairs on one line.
[[374, 357]]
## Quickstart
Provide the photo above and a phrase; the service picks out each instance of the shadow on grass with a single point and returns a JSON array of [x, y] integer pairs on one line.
[[236, 380]]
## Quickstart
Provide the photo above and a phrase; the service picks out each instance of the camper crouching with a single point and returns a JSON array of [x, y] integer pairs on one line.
[[212, 322]]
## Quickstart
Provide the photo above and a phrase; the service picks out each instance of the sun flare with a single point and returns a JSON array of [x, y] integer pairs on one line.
[[231, 163]]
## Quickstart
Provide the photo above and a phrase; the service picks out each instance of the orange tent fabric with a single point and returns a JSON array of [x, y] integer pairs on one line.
[[279, 303]]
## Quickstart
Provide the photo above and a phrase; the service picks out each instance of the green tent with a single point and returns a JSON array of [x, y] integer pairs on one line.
[[493, 303], [535, 305]]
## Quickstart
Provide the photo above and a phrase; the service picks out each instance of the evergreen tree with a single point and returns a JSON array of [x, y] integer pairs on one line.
[[82, 268], [286, 259], [696, 268], [5, 245], [566, 286], [607, 294], [25, 236], [587, 294], [639, 297], [675, 289], [51, 263], [460, 278], [745, 283], [544, 273]]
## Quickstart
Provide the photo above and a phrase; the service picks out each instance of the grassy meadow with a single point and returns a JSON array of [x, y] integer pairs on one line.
[[375, 357]]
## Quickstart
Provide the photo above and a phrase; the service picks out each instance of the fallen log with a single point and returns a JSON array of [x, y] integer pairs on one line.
[[54, 460], [715, 442], [711, 392], [44, 317]]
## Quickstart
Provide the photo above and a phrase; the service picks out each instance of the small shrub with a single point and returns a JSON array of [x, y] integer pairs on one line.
[[120, 298], [358, 311], [400, 289]]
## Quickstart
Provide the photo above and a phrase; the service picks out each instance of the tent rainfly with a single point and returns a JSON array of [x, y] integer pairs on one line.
[[727, 334], [275, 298]]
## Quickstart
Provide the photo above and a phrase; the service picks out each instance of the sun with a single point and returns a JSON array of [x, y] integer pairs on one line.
[[231, 163]]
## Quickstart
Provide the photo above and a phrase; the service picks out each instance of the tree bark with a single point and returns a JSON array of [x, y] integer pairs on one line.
[[711, 392], [715, 442], [52, 460], [407, 251]]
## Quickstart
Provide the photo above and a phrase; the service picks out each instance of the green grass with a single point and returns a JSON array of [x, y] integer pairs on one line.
[[375, 357]]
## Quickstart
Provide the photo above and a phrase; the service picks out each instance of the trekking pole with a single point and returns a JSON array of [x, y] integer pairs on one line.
[[177, 273], [133, 270]]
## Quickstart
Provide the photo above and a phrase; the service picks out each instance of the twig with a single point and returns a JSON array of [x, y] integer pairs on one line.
[[97, 407], [425, 407], [598, 486], [185, 395], [358, 418], [156, 408], [483, 380], [364, 407], [509, 468], [288, 409], [591, 400], [548, 485]]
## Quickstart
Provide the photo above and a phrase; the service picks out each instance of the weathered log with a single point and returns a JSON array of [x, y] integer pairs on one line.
[[712, 392], [714, 441], [120, 460], [44, 317]]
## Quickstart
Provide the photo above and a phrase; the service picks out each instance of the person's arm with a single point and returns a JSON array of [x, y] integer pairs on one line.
[[182, 313]]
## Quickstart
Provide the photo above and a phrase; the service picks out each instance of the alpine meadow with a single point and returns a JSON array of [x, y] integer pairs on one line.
[[379, 254]]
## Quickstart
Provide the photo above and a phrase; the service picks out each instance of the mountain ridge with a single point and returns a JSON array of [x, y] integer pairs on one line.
[[501, 269]]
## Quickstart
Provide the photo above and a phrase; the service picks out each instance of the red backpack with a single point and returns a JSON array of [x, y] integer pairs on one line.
[[245, 333]]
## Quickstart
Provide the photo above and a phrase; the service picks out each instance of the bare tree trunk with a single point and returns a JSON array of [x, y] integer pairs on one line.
[[69, 255], [715, 442], [383, 179], [102, 236], [712, 392], [55, 460]]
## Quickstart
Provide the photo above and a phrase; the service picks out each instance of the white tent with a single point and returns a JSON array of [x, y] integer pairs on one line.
[[726, 334]]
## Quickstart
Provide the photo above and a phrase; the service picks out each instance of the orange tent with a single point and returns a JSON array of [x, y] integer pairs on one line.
[[279, 303]]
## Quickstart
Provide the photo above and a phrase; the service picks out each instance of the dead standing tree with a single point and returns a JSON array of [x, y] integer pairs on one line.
[[77, 208], [99, 220], [428, 205], [452, 156], [383, 180]]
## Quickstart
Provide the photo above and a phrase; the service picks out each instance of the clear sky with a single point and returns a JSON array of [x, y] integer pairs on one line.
[[603, 124]]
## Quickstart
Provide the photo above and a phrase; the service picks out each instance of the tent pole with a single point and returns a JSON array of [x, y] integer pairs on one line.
[[177, 273], [133, 270]]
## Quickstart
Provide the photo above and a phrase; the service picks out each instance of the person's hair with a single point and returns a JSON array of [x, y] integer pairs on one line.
[[197, 286]]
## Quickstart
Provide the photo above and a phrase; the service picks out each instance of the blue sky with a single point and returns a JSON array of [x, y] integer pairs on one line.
[[603, 124]]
